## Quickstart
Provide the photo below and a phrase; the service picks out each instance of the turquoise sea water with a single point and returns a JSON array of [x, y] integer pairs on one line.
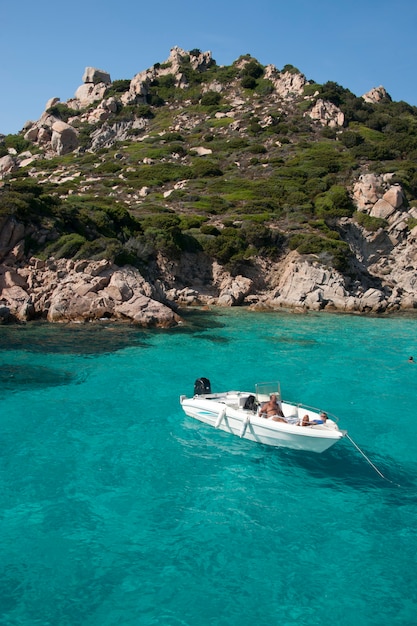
[[117, 509]]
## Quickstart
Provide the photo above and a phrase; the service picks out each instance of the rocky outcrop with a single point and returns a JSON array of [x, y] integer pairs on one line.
[[53, 135], [108, 134], [327, 113], [58, 137], [95, 83], [95, 76], [286, 84], [64, 138], [64, 291], [377, 94], [7, 165], [141, 82]]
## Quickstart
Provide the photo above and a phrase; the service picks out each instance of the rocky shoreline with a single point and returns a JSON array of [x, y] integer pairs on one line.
[[65, 290], [383, 277]]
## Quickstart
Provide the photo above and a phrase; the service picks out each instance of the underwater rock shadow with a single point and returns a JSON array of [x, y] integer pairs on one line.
[[83, 339], [23, 377]]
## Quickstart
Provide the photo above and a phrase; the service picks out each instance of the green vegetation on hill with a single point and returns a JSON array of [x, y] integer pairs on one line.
[[219, 164]]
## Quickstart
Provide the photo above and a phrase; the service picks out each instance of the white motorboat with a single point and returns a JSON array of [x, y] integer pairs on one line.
[[239, 413]]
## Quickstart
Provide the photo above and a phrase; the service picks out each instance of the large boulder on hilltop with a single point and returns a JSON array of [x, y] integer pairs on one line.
[[375, 95], [200, 60], [286, 84], [93, 75], [87, 94], [95, 83]]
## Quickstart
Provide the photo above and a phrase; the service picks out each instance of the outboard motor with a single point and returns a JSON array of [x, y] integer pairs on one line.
[[202, 386]]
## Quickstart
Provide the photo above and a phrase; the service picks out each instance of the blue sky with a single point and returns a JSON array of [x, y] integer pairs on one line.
[[45, 46]]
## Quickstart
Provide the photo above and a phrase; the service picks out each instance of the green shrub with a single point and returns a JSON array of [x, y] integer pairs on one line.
[[25, 199], [257, 149], [259, 236], [62, 111], [264, 87], [109, 167], [334, 203], [310, 89], [291, 69], [228, 247], [143, 110], [167, 82], [350, 139], [191, 221], [163, 232], [248, 82], [206, 169], [253, 69], [254, 127], [172, 136], [155, 100], [17, 142], [159, 173], [369, 222], [333, 252], [235, 143], [117, 87], [224, 75], [210, 98], [209, 229], [84, 135], [66, 247]]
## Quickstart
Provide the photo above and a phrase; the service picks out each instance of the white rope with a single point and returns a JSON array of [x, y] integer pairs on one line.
[[369, 461]]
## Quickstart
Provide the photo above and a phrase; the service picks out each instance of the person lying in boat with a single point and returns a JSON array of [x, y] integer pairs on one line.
[[307, 422], [271, 410]]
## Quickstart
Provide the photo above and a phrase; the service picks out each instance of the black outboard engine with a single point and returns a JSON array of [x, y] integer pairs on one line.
[[201, 386]]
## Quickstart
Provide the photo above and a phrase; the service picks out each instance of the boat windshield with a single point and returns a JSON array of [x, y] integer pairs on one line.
[[264, 391]]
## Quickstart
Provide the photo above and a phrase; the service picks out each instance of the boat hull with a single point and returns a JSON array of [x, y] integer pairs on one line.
[[247, 425]]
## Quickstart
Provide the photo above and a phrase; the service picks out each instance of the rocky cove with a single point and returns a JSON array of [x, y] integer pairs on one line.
[[64, 290]]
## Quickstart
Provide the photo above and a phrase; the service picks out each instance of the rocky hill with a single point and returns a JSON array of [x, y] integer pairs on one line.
[[194, 183]]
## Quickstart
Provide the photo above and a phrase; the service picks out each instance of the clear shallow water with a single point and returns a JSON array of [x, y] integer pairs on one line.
[[118, 509]]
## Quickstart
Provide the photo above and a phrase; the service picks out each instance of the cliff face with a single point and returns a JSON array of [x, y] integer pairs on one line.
[[153, 157]]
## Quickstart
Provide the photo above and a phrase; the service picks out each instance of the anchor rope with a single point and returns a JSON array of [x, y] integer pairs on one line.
[[370, 462]]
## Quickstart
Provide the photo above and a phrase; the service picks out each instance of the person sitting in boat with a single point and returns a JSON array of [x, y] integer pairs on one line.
[[271, 410], [307, 422]]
